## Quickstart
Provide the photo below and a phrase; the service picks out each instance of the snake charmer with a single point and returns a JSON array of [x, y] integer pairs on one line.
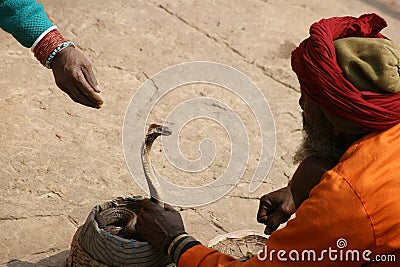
[[346, 189]]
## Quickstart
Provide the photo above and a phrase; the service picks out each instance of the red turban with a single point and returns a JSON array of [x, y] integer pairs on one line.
[[322, 81]]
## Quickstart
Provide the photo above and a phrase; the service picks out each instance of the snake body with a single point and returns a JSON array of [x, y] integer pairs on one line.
[[153, 132], [115, 219], [121, 220]]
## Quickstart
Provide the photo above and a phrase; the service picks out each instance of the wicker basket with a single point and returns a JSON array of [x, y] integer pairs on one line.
[[92, 246], [242, 245], [78, 256]]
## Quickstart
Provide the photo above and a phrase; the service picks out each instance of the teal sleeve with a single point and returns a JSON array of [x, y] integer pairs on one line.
[[24, 19]]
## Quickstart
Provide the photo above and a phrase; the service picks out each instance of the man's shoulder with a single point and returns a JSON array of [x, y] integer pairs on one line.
[[376, 154], [371, 168]]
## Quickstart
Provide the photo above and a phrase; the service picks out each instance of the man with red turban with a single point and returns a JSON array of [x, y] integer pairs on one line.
[[346, 190]]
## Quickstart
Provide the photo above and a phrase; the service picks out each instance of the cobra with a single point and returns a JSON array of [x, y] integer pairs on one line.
[[153, 132], [121, 221]]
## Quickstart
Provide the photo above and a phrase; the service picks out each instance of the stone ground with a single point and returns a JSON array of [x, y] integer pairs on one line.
[[59, 159]]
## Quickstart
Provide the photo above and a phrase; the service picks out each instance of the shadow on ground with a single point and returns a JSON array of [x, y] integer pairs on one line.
[[57, 260]]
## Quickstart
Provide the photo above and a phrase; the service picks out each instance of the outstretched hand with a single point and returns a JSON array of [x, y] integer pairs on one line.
[[157, 225], [74, 75], [275, 208]]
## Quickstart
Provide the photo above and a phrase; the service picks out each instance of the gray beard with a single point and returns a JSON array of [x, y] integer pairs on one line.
[[318, 142]]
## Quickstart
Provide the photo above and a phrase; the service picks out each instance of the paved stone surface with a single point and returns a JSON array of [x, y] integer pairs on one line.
[[60, 159]]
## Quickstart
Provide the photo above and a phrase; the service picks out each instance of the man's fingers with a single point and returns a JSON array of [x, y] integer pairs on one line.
[[143, 217], [87, 90], [262, 215], [149, 205], [90, 77], [79, 97], [274, 220], [272, 224], [268, 230], [139, 223], [264, 210], [75, 95], [146, 203]]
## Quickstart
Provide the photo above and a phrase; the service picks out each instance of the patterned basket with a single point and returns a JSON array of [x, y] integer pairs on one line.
[[242, 245], [95, 247], [92, 246]]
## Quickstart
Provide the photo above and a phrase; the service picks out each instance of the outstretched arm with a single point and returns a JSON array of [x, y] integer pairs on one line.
[[27, 21]]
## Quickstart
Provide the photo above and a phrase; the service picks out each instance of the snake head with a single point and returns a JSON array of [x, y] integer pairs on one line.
[[159, 130]]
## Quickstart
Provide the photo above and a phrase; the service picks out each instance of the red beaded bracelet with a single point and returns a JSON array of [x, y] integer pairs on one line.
[[49, 46]]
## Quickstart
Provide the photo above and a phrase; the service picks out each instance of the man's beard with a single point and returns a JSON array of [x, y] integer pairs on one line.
[[318, 141]]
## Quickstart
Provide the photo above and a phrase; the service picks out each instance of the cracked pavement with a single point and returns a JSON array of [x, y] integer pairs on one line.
[[60, 159]]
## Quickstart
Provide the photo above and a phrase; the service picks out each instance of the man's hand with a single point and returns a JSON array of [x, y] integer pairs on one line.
[[158, 225], [275, 209], [74, 75]]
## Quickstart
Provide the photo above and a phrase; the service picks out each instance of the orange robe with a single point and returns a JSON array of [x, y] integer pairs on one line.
[[355, 206]]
